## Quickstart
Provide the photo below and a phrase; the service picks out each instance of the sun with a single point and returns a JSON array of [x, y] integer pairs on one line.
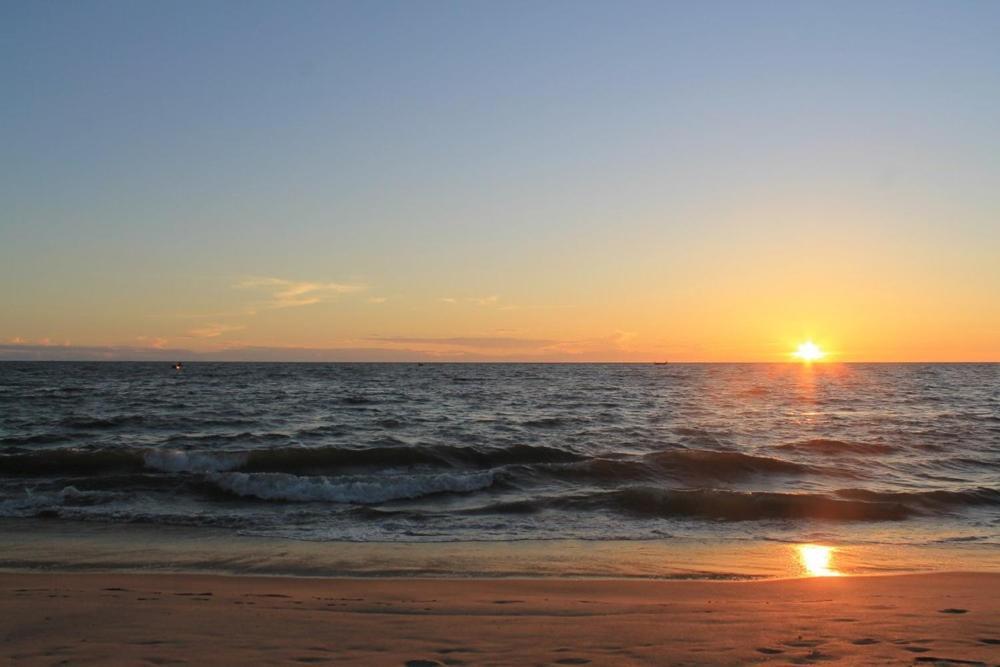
[[809, 351]]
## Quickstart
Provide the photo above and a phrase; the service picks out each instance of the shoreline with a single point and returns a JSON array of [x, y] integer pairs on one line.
[[457, 578], [28, 545], [91, 618]]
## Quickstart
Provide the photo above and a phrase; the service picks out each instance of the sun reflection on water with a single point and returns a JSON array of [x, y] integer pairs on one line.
[[816, 560]]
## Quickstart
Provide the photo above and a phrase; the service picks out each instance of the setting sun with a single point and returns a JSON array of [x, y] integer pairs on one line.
[[809, 351]]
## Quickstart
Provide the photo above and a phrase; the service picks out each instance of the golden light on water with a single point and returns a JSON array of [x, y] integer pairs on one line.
[[816, 560], [809, 351]]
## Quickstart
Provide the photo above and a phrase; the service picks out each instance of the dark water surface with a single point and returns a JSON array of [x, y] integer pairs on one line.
[[856, 453]]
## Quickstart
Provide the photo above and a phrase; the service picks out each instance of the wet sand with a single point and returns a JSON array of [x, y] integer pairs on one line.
[[162, 619]]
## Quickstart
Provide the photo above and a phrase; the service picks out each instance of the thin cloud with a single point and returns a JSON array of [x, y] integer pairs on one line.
[[214, 330], [155, 342], [374, 350], [611, 345], [293, 294], [480, 342], [35, 352], [490, 300], [89, 353]]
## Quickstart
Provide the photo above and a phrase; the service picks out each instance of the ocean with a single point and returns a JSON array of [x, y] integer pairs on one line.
[[865, 454]]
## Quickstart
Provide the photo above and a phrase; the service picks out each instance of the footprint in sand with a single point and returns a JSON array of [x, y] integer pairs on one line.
[[990, 641], [952, 610], [572, 661], [423, 663], [769, 651], [813, 656], [460, 649], [867, 641]]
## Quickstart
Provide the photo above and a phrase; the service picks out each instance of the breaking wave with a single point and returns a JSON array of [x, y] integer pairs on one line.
[[359, 490], [831, 447], [724, 505], [73, 461], [173, 460]]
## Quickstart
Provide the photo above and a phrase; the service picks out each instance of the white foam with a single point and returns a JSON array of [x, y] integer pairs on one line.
[[175, 460], [360, 490], [31, 503]]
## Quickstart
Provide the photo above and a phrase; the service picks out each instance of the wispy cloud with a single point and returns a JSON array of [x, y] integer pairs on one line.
[[31, 352], [378, 299], [612, 345], [490, 300], [155, 342], [475, 342], [41, 342], [284, 293], [471, 348], [214, 330]]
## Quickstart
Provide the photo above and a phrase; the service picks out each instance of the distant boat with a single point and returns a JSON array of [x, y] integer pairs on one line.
[[178, 366], [660, 363]]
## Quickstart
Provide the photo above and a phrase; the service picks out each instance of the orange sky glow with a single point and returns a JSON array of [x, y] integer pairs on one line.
[[680, 182]]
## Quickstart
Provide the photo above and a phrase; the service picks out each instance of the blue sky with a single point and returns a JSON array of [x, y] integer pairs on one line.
[[627, 179]]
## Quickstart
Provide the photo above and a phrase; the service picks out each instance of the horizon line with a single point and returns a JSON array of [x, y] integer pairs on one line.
[[790, 362]]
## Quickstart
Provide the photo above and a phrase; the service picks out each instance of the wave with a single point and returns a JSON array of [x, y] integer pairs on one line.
[[721, 505], [688, 464], [929, 500], [36, 439], [173, 460], [356, 400], [78, 461], [100, 423], [357, 490], [829, 447], [45, 504], [153, 421], [225, 438], [71, 461], [545, 422], [750, 506], [317, 459], [708, 463], [724, 505]]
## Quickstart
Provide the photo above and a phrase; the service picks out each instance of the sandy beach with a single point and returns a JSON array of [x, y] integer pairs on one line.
[[160, 619]]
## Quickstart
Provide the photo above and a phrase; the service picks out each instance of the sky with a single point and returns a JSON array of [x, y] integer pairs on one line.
[[513, 181]]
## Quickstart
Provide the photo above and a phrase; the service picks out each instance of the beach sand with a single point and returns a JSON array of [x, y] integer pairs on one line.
[[163, 619]]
